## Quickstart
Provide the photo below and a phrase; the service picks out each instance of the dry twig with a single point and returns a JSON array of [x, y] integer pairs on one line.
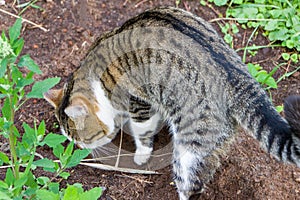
[[120, 169], [24, 20]]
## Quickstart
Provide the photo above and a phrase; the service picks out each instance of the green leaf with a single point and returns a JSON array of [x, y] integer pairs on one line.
[[54, 187], [31, 181], [279, 108], [41, 129], [20, 182], [18, 46], [285, 56], [238, 1], [3, 67], [64, 175], [69, 149], [220, 2], [280, 34], [45, 162], [228, 38], [271, 82], [52, 140], [26, 61], [6, 110], [40, 87], [234, 28], [9, 177], [3, 158], [52, 170], [3, 185], [290, 44], [46, 195], [77, 156], [71, 193], [29, 136], [24, 150], [261, 76], [294, 57], [92, 194], [29, 191], [58, 150], [16, 74], [14, 31], [42, 180], [276, 13], [271, 25], [203, 2], [4, 196]]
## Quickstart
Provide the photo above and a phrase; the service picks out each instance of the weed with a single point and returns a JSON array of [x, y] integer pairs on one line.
[[20, 181], [280, 22], [279, 19], [294, 57], [229, 29], [27, 5]]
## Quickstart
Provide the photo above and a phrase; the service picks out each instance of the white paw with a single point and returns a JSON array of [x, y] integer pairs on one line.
[[142, 155], [183, 196]]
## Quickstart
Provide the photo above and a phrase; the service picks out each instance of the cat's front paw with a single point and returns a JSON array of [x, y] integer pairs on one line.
[[142, 155]]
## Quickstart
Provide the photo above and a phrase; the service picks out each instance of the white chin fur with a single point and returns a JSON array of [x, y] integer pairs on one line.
[[62, 130]]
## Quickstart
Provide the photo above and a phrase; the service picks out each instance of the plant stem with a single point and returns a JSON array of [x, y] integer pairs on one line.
[[12, 137], [12, 141]]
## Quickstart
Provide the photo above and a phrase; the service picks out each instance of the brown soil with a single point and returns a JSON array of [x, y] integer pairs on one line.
[[246, 172]]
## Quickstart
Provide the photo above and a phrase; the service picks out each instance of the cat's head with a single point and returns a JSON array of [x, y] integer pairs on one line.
[[78, 118]]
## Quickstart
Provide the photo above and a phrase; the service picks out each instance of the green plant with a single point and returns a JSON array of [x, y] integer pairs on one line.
[[229, 29], [279, 19], [265, 79], [280, 22], [27, 5], [293, 57], [20, 181], [262, 76]]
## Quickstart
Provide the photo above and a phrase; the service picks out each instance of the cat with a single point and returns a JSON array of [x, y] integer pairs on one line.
[[167, 64]]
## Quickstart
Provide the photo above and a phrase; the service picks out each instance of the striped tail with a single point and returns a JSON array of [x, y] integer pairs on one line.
[[292, 115], [279, 136]]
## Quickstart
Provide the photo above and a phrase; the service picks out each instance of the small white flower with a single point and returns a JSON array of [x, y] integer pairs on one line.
[[5, 48], [2, 2]]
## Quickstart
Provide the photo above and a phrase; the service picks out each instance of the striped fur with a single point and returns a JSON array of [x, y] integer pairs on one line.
[[167, 62]]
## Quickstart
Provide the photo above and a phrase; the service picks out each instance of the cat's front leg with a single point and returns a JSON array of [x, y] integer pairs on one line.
[[143, 133], [143, 150]]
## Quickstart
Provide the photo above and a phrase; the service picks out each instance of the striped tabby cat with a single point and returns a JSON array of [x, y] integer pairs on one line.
[[167, 64]]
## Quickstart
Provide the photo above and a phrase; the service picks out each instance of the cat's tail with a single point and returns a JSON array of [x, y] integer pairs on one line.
[[279, 136], [292, 115]]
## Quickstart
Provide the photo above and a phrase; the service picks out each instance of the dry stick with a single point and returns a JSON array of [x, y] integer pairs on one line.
[[137, 179], [121, 155], [120, 147], [125, 2], [25, 20], [140, 3], [119, 169]]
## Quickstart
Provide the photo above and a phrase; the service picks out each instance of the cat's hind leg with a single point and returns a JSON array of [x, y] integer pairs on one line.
[[195, 161]]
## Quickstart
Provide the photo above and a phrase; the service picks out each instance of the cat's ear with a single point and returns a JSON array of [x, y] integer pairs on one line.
[[76, 109], [54, 97], [77, 112]]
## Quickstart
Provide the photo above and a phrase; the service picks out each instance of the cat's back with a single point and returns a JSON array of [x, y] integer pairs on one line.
[[166, 30]]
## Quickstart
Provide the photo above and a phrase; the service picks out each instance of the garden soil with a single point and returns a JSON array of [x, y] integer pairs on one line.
[[247, 172]]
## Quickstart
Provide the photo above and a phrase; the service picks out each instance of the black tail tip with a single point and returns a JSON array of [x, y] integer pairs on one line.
[[292, 112]]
